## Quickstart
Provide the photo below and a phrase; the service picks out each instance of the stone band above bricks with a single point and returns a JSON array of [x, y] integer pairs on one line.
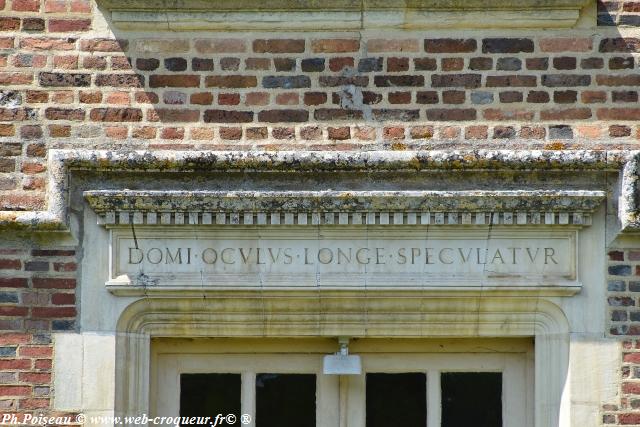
[[225, 90]]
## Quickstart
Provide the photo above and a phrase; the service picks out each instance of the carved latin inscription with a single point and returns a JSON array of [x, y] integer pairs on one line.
[[303, 259]]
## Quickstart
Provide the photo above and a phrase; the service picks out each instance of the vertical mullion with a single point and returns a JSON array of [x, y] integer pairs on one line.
[[434, 407], [248, 402]]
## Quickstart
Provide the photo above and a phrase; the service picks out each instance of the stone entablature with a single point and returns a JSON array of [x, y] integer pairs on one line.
[[485, 163]]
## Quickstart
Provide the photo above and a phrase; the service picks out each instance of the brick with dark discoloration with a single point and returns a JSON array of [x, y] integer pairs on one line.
[[507, 45], [451, 114], [283, 116], [116, 115], [227, 116], [469, 81], [64, 79]]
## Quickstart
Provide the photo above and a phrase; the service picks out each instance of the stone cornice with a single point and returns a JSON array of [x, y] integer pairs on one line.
[[345, 207], [62, 163], [233, 15]]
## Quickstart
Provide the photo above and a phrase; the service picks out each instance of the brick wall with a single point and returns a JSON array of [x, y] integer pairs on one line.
[[624, 316], [618, 13], [68, 80], [37, 297]]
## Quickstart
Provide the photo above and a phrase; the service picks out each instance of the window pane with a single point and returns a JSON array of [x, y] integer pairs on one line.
[[209, 394], [285, 400], [396, 399], [471, 398]]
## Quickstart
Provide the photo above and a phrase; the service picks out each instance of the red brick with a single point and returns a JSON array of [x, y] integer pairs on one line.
[[13, 282], [631, 388], [234, 81], [117, 132], [15, 79], [53, 283], [53, 113], [116, 114], [339, 133], [34, 403], [170, 115], [476, 132], [22, 202], [451, 114], [203, 98], [399, 97], [25, 5], [619, 44], [315, 98], [65, 266], [452, 64], [278, 46], [47, 43], [593, 96], [69, 25], [146, 97], [511, 81], [283, 116], [450, 45], [229, 99], [10, 264], [7, 42], [9, 24], [618, 114], [12, 364], [256, 98], [80, 6], [288, 98], [449, 132], [13, 311], [338, 64], [35, 351], [497, 114], [172, 133], [35, 377], [14, 390], [231, 133], [631, 418], [393, 132], [421, 132], [391, 45], [184, 80], [619, 131], [202, 133], [43, 364], [626, 80], [144, 132], [227, 116], [14, 338], [51, 6], [66, 62], [257, 133], [566, 45], [335, 45], [33, 24], [48, 312], [566, 114], [532, 132]]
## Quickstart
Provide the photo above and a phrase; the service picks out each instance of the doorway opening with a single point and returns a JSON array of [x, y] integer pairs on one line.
[[405, 382]]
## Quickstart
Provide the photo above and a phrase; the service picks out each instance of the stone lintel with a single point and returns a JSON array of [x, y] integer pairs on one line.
[[232, 15]]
